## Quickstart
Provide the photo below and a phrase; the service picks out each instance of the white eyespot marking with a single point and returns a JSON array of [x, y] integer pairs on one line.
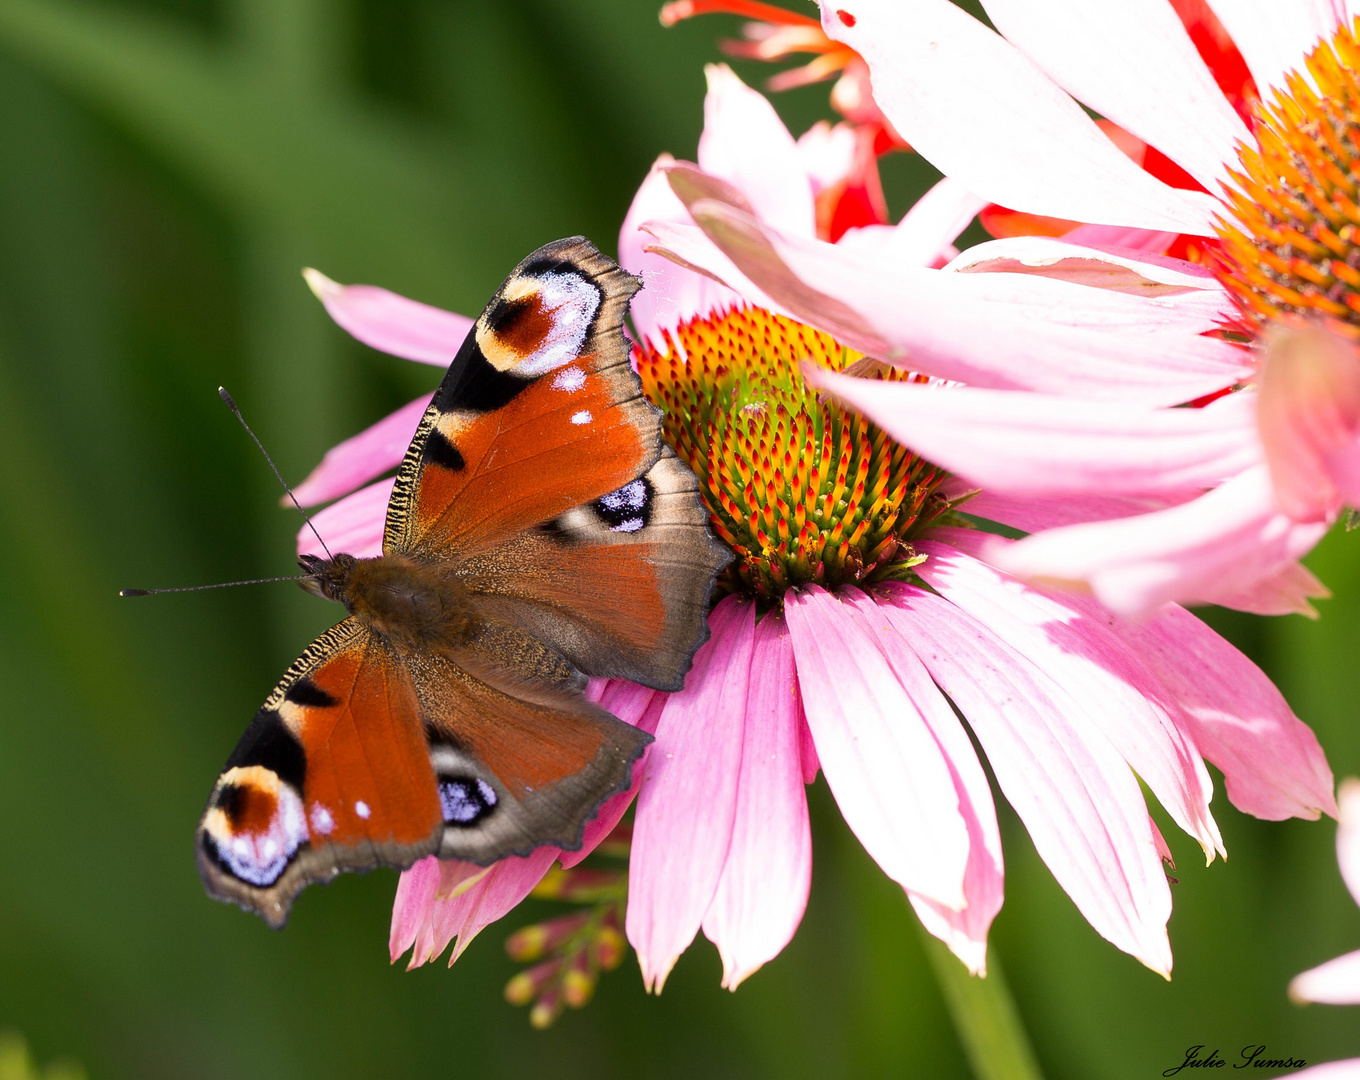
[[569, 301], [625, 509], [255, 824], [361, 808], [629, 497], [569, 379], [465, 800], [322, 822], [582, 417]]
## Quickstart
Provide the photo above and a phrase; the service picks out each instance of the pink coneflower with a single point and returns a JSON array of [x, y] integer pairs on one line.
[[1337, 982], [998, 116], [856, 617]]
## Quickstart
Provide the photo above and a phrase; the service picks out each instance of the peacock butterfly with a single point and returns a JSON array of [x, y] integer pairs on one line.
[[539, 532]]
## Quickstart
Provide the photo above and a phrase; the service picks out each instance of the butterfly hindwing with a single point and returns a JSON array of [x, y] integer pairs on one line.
[[619, 585], [520, 760], [539, 412], [333, 774]]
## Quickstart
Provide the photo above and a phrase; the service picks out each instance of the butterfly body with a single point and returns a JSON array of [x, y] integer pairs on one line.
[[412, 606], [539, 533]]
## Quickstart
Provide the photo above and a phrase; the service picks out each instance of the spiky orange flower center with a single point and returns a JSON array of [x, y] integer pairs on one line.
[[800, 490], [1295, 247]]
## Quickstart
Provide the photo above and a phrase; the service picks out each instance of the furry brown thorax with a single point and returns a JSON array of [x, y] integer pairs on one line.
[[412, 605]]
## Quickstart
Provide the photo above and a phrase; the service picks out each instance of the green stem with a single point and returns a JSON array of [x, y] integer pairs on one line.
[[984, 1015]]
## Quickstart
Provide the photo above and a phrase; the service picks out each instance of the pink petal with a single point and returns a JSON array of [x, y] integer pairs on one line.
[[1117, 238], [1030, 514], [827, 154], [1331, 1070], [1337, 982], [745, 143], [354, 524], [1077, 797], [1272, 765], [933, 223], [1274, 35], [1210, 550], [392, 323], [890, 778], [411, 908], [965, 932], [1289, 591], [670, 294], [464, 916], [998, 330], [1107, 681], [812, 764], [1041, 444], [1133, 63], [641, 707], [1309, 412], [688, 251], [688, 800], [983, 113], [360, 458], [764, 885], [1348, 835], [1100, 267]]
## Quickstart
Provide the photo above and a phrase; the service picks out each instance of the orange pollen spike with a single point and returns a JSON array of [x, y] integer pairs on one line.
[[800, 490], [1292, 249]]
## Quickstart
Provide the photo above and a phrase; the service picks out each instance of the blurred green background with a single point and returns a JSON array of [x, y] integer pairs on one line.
[[166, 168]]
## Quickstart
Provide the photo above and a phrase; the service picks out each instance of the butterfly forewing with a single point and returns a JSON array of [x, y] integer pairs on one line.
[[333, 774], [539, 412]]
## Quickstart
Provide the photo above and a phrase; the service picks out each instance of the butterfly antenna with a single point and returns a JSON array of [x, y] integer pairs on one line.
[[200, 588], [222, 393]]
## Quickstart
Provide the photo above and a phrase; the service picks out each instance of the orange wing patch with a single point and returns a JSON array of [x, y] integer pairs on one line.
[[368, 768], [332, 774], [539, 411]]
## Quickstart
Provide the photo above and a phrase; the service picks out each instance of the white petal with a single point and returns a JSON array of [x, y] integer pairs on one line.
[[933, 223], [670, 294], [1133, 63], [1348, 835], [998, 330], [1085, 264], [745, 143], [1274, 35], [985, 114]]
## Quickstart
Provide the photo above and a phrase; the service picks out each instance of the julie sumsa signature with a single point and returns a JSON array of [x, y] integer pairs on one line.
[[1253, 1056]]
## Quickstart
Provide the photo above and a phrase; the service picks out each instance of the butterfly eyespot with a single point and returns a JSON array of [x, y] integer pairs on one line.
[[255, 826], [362, 809], [582, 417], [628, 509], [465, 799], [540, 321]]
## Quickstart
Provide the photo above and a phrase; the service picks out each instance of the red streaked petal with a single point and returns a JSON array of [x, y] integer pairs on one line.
[[982, 112]]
